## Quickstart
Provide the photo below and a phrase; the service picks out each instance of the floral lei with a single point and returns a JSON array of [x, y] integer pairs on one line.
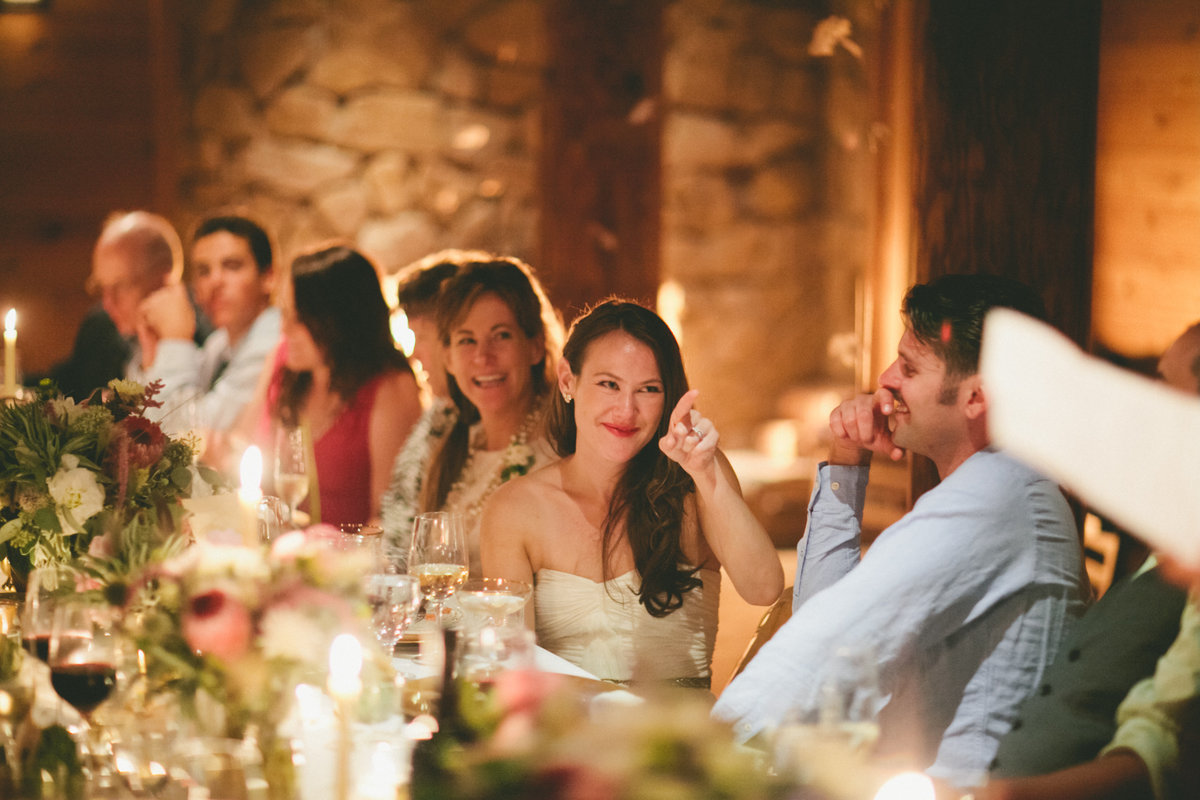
[[518, 459]]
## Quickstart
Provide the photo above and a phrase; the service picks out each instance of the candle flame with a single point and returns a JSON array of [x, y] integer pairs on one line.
[[10, 320], [251, 469], [345, 658]]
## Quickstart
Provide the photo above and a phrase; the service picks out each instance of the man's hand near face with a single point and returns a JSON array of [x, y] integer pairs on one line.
[[860, 428], [166, 313]]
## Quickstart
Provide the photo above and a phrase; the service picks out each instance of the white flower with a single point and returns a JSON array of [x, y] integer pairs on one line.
[[77, 494], [292, 634], [66, 410], [128, 390]]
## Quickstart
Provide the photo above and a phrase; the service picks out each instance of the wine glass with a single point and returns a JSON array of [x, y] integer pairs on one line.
[[438, 559], [291, 468], [46, 584], [495, 602], [83, 659], [394, 599]]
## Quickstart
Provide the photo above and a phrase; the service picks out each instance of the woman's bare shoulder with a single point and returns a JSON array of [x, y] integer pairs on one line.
[[398, 384]]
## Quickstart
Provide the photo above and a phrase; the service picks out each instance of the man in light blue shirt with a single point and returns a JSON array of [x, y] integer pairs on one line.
[[962, 602]]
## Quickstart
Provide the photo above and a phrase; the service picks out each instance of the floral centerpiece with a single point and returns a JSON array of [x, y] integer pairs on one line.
[[531, 736], [94, 477], [231, 631]]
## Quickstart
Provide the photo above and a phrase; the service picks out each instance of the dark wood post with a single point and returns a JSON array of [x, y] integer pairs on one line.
[[1006, 148], [600, 158]]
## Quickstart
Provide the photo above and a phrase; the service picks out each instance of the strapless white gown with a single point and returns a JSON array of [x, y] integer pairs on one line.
[[602, 627]]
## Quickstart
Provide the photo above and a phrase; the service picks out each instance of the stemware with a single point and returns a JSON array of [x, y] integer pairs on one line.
[[83, 658], [486, 653], [494, 602], [291, 468], [46, 585], [394, 600], [365, 541], [439, 560]]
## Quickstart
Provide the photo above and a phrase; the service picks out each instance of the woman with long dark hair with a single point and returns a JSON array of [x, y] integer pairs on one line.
[[500, 340], [624, 537], [341, 376]]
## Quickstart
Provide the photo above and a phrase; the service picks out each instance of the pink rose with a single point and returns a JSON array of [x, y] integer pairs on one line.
[[524, 690], [216, 624], [102, 547]]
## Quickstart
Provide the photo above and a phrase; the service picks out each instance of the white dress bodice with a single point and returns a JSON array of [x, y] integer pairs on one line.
[[602, 628]]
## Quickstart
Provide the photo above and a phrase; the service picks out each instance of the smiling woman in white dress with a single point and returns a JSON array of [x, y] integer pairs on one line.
[[624, 537]]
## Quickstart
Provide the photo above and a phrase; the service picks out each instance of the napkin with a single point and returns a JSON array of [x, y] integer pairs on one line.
[[1128, 446]]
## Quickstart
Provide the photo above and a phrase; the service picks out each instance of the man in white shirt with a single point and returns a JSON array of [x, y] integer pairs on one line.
[[961, 603], [232, 276]]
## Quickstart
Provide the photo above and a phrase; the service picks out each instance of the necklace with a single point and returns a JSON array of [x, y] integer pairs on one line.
[[516, 459]]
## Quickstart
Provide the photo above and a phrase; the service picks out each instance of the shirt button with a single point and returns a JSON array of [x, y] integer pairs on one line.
[[835, 486], [1073, 655], [1046, 689]]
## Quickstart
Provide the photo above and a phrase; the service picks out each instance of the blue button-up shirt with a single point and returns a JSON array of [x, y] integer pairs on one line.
[[963, 602]]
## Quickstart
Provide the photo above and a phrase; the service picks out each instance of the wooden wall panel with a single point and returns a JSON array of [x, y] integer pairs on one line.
[[76, 142], [1147, 271]]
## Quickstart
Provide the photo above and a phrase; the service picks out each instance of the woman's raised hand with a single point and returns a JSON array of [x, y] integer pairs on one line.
[[691, 439]]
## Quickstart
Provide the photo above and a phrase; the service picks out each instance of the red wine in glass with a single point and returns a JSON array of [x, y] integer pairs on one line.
[[85, 686], [38, 645]]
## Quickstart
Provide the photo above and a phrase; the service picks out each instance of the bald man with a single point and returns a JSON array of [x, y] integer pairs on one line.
[[137, 252]]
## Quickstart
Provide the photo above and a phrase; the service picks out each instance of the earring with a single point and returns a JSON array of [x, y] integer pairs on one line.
[[567, 398]]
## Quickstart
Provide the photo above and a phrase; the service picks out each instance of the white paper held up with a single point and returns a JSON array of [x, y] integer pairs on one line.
[[1127, 445]]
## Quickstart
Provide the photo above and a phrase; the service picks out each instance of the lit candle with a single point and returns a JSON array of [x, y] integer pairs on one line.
[[10, 353], [250, 494], [345, 667]]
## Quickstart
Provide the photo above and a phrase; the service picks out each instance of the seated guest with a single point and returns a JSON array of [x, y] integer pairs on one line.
[[626, 535], [137, 253], [1110, 656], [232, 276], [1149, 750], [416, 295], [500, 340], [965, 599], [340, 376]]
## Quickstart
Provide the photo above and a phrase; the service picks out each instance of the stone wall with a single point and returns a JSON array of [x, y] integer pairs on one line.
[[404, 127], [767, 224], [407, 126]]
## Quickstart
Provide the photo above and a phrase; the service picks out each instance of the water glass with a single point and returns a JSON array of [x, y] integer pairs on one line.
[[366, 541], [394, 600]]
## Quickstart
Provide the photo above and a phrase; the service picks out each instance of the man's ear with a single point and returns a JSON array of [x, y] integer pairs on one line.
[[268, 281], [971, 394], [566, 378]]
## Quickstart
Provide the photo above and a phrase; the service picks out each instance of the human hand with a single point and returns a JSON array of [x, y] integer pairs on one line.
[[167, 313], [860, 427], [1178, 573], [691, 439]]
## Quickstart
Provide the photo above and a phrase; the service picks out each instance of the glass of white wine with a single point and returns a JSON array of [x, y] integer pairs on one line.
[[438, 559], [291, 468], [493, 602]]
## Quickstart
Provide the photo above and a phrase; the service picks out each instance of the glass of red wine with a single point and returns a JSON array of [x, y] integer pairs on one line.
[[83, 659], [45, 585]]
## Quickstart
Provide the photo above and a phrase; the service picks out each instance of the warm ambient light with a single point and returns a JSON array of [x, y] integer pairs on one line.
[[24, 5], [345, 666], [906, 786], [251, 470]]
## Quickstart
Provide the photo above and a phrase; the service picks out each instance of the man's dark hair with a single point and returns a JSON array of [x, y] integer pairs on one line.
[[243, 228], [417, 293], [946, 314]]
